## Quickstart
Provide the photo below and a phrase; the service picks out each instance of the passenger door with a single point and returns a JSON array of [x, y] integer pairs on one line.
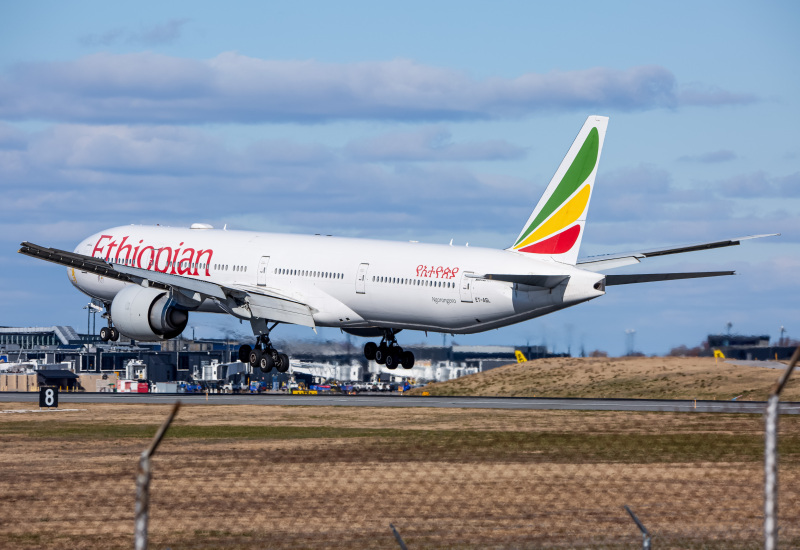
[[361, 279], [262, 270], [466, 286]]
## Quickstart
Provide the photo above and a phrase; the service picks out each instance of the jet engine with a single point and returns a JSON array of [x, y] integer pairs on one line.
[[146, 313]]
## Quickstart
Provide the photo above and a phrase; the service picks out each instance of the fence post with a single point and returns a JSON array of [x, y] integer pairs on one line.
[[398, 538], [771, 416], [142, 508], [642, 528]]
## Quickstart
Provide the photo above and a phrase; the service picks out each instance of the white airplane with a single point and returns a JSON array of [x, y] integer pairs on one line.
[[150, 277]]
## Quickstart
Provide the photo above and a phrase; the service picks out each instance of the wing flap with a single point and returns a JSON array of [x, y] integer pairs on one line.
[[269, 303], [283, 311]]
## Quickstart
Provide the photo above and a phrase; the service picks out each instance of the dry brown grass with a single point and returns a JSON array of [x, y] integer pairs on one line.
[[310, 477], [622, 377]]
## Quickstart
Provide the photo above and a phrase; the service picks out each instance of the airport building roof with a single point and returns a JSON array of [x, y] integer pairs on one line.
[[28, 337]]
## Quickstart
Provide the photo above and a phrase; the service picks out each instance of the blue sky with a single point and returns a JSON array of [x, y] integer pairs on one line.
[[413, 121]]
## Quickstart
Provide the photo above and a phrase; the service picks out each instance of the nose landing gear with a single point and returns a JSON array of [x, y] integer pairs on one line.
[[109, 333], [388, 352]]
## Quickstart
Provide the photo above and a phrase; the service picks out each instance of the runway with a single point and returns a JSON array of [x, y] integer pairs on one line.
[[400, 401]]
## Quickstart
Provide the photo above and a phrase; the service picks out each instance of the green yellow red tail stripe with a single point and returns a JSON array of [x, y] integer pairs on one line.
[[557, 222]]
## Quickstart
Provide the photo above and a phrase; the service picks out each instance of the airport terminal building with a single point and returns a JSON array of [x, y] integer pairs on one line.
[[62, 347]]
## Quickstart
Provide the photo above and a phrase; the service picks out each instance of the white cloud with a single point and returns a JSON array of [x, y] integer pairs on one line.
[[723, 155], [712, 96], [11, 138], [152, 88], [430, 143], [177, 175], [154, 35], [759, 184]]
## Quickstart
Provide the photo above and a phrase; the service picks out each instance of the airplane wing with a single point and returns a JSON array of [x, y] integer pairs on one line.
[[612, 261], [239, 300]]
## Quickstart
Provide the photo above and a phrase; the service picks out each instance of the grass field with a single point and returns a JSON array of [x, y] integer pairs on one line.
[[309, 477], [622, 377]]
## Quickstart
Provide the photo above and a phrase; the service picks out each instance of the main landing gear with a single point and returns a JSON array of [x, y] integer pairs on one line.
[[388, 352], [264, 355]]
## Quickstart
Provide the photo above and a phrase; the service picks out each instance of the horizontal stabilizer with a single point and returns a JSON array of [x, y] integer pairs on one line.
[[544, 281], [611, 261], [612, 280]]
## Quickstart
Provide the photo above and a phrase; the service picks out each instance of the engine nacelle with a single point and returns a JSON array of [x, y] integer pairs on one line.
[[146, 313]]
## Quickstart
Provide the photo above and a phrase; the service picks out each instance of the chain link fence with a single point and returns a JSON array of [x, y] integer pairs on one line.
[[366, 478]]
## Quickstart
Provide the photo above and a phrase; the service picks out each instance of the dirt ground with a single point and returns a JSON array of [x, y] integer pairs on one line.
[[310, 477], [623, 377]]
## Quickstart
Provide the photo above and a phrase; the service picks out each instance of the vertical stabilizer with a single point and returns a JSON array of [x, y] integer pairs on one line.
[[555, 228]]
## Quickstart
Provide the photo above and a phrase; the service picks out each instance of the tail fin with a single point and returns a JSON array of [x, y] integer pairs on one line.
[[555, 227]]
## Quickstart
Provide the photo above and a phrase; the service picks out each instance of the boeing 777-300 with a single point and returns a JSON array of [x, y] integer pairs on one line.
[[149, 278]]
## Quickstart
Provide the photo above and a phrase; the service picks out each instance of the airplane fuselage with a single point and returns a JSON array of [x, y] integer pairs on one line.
[[348, 283]]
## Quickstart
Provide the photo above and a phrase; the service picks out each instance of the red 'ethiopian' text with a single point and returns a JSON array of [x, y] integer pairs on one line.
[[166, 259]]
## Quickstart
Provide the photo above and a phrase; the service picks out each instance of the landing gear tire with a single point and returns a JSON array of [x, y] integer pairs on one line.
[[105, 334], [380, 354], [369, 350], [407, 360], [392, 360], [244, 353], [254, 358], [114, 334], [282, 365], [266, 362]]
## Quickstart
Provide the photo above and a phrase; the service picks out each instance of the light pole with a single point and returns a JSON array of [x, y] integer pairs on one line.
[[92, 309], [629, 337]]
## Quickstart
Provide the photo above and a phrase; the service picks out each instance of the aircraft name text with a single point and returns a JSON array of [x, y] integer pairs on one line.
[[439, 272]]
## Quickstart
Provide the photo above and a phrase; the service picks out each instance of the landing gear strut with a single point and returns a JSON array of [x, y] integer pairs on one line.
[[264, 355], [388, 352]]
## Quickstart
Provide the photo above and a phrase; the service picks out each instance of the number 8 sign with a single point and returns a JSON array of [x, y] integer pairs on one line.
[[48, 397]]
